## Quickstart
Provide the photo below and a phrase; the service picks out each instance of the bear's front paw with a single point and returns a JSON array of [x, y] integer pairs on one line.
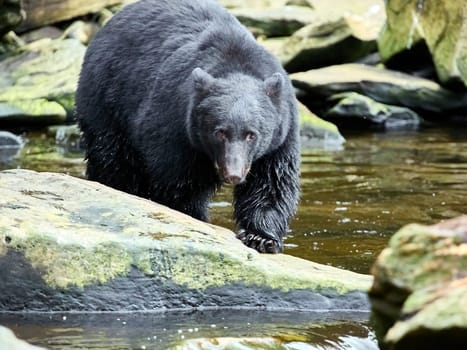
[[260, 243]]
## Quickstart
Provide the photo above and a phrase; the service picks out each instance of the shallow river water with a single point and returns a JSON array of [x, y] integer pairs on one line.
[[352, 201]]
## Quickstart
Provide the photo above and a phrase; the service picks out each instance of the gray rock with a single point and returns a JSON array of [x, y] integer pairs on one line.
[[338, 33], [40, 13], [10, 146], [38, 85], [382, 85], [357, 111], [68, 244], [68, 137], [419, 294], [316, 132], [274, 21], [441, 25]]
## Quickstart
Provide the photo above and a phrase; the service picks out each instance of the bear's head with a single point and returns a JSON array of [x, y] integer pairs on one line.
[[236, 119]]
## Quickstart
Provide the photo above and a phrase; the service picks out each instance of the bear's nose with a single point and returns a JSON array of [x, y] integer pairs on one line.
[[234, 180]]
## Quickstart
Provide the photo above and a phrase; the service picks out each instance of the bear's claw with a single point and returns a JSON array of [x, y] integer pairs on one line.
[[260, 243]]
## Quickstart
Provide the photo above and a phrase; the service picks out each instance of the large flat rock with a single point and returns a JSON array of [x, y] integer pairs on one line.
[[67, 244], [382, 85]]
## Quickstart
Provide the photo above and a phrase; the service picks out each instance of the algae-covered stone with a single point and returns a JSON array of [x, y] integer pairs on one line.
[[334, 37], [316, 132], [432, 318], [441, 24], [8, 341], [47, 71], [420, 286], [31, 112], [382, 85], [353, 110], [71, 244]]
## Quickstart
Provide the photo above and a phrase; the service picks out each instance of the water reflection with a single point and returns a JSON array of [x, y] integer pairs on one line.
[[162, 331]]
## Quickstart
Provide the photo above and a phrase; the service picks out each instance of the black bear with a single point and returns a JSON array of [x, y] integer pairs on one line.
[[175, 98]]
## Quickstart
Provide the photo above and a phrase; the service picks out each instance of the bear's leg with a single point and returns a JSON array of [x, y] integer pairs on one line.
[[266, 202], [112, 162]]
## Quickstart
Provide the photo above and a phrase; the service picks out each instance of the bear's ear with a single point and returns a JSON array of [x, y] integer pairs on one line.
[[202, 80], [273, 85]]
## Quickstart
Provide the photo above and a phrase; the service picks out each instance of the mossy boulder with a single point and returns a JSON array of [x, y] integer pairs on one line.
[[68, 244], [419, 294], [346, 28], [382, 85], [355, 111], [316, 132], [441, 25], [31, 112], [38, 85]]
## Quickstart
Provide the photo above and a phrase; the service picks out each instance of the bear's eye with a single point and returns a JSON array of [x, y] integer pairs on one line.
[[250, 136], [221, 134]]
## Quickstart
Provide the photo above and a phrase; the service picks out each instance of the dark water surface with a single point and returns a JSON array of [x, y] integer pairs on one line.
[[353, 200]]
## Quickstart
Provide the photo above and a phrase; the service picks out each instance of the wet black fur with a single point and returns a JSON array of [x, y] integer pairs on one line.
[[139, 110]]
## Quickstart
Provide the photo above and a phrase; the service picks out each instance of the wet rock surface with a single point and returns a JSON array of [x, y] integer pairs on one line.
[[69, 244], [382, 85], [440, 25], [419, 293], [37, 87], [354, 111], [10, 145]]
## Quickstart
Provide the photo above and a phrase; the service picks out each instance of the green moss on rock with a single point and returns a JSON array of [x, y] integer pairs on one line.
[[78, 234]]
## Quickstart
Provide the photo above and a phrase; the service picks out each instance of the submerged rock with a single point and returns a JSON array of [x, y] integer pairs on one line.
[[10, 146], [382, 85], [38, 86], [66, 136], [230, 343], [8, 341], [68, 244], [353, 110], [316, 132], [419, 295], [441, 25]]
